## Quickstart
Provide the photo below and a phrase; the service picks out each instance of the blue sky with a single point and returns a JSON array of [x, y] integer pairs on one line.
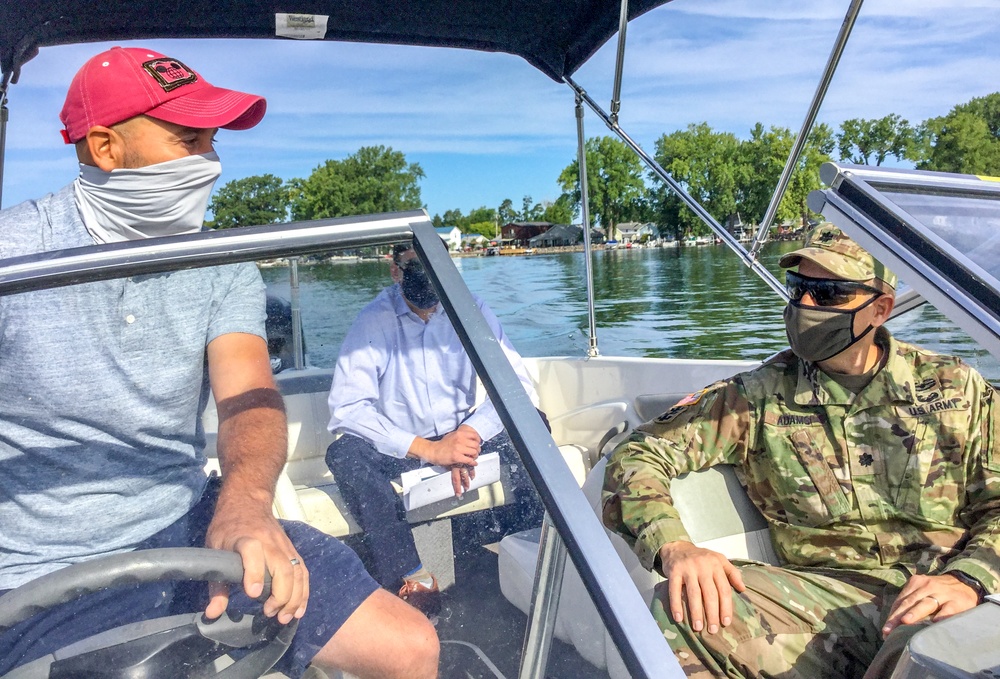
[[485, 127]]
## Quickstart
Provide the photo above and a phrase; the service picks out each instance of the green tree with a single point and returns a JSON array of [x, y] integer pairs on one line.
[[861, 141], [260, 199], [481, 215], [375, 179], [760, 160], [614, 182], [482, 220], [559, 212], [805, 177], [967, 140], [485, 229], [530, 210], [452, 218], [706, 164], [506, 212]]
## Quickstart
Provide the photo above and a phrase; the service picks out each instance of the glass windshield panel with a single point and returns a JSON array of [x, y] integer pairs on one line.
[[970, 224]]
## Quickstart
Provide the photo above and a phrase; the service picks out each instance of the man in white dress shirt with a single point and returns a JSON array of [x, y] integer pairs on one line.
[[404, 394]]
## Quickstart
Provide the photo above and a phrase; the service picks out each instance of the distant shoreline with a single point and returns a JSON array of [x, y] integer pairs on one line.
[[517, 252]]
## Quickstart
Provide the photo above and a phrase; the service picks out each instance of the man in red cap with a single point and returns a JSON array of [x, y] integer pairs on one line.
[[105, 385]]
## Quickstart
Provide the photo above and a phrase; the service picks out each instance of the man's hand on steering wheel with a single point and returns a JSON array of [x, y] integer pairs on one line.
[[263, 545]]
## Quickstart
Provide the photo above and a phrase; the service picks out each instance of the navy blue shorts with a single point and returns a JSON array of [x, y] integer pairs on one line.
[[338, 584]]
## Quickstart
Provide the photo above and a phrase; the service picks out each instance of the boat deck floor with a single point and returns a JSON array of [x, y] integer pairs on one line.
[[482, 633]]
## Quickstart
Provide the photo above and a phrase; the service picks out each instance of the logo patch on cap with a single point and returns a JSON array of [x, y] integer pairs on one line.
[[170, 73]]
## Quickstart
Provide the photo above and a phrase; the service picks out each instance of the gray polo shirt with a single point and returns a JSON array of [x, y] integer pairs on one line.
[[102, 388]]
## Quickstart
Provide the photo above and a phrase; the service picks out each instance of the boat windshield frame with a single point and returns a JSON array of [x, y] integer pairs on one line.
[[860, 201], [626, 616]]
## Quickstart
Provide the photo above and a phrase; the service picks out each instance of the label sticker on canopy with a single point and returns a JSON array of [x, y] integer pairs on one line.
[[300, 26]]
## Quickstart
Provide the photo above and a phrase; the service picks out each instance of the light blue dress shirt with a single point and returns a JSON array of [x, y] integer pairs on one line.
[[398, 377]]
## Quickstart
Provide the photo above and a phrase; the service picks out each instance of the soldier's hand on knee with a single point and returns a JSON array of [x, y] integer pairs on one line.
[[929, 596], [703, 580]]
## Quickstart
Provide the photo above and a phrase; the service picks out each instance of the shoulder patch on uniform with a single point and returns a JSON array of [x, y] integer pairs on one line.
[[687, 402], [691, 399]]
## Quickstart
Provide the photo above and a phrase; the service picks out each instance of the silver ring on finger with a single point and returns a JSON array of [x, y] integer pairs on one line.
[[936, 602], [295, 562]]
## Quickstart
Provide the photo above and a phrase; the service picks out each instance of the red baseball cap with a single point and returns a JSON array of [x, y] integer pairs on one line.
[[128, 81]]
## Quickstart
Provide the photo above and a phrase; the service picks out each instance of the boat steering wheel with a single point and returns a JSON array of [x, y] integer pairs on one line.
[[174, 646]]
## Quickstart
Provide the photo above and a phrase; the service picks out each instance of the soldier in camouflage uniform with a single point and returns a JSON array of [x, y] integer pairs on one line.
[[875, 463]]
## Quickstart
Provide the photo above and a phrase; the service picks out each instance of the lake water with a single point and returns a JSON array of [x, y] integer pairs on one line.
[[694, 302]]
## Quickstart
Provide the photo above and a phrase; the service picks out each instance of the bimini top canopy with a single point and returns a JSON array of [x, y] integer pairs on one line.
[[555, 36]]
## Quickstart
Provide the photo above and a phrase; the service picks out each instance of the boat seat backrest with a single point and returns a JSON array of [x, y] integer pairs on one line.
[[585, 434], [308, 416], [306, 489], [714, 508]]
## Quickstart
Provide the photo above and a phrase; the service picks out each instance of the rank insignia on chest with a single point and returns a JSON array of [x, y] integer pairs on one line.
[[866, 459]]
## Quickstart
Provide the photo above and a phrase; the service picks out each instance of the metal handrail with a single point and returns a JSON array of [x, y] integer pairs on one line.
[[546, 591], [208, 248]]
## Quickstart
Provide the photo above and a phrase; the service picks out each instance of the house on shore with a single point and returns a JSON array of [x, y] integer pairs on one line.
[[635, 232], [565, 235], [452, 237], [473, 240], [517, 234], [558, 235]]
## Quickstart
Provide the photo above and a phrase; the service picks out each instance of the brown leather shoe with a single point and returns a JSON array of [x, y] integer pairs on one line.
[[425, 599]]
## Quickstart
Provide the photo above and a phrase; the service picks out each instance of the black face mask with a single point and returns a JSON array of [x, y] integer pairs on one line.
[[820, 333], [417, 288]]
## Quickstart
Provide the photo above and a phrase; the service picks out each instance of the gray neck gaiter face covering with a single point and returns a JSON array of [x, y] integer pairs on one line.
[[165, 199], [817, 333]]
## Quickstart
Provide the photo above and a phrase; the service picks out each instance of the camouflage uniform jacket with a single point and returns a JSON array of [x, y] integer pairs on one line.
[[902, 478]]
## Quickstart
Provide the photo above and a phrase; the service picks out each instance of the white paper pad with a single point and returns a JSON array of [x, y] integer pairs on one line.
[[428, 485]]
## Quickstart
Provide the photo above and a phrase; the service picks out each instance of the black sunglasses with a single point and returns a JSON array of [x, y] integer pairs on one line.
[[824, 291]]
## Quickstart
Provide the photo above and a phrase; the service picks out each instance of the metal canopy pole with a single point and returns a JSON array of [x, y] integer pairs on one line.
[[549, 569], [616, 96], [4, 117], [807, 125], [694, 205], [581, 155], [298, 350]]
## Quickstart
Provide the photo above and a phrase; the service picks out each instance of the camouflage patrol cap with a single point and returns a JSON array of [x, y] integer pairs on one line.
[[830, 248]]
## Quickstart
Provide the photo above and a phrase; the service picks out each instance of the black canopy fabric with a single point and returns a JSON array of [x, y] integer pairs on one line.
[[555, 36]]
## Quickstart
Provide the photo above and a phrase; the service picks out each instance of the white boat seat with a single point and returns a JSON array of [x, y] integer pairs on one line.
[[306, 490], [590, 431], [717, 515], [650, 406]]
